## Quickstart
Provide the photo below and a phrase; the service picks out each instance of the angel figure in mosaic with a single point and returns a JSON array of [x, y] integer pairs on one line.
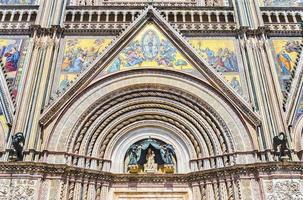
[[133, 54], [167, 53]]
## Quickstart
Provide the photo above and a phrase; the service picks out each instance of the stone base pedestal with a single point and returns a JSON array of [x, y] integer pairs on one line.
[[169, 168], [133, 169], [151, 169], [285, 158]]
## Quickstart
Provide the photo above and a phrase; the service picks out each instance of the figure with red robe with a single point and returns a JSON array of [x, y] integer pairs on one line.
[[12, 58]]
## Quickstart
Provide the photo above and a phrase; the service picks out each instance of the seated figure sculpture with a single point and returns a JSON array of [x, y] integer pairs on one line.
[[150, 166]]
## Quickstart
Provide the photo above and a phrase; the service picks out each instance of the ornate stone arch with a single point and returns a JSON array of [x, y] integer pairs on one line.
[[89, 122]]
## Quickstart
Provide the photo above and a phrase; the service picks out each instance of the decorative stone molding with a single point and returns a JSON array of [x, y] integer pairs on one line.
[[284, 189], [65, 171], [17, 189]]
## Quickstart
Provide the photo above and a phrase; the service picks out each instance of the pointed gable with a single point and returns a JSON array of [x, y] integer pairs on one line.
[[104, 64]]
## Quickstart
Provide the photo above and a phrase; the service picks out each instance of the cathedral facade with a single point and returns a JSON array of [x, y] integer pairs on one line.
[[157, 100]]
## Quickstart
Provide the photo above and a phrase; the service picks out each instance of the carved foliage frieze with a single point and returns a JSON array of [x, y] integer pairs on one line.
[[17, 189], [284, 189]]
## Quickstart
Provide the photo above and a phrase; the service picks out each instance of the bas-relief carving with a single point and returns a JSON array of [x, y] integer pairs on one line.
[[284, 189], [17, 189], [246, 189]]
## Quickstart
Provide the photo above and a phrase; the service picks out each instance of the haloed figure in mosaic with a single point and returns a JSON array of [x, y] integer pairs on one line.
[[222, 57], [284, 59], [77, 55], [12, 55], [150, 48]]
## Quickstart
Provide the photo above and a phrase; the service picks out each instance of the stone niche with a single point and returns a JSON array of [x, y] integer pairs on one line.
[[150, 156]]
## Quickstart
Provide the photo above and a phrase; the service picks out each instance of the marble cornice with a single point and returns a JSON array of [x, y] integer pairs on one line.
[[163, 7], [64, 171], [114, 31], [203, 29], [47, 30], [267, 30]]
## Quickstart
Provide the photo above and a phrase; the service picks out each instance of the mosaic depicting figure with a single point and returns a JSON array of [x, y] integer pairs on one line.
[[149, 48], [221, 55], [78, 54], [12, 58], [286, 51], [222, 59], [284, 58], [150, 44]]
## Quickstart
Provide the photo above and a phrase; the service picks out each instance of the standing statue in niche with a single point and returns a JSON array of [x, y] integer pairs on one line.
[[280, 146], [133, 155], [18, 142], [167, 152]]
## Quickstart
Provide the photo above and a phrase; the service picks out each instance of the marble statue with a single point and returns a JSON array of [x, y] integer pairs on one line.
[[167, 152], [150, 166]]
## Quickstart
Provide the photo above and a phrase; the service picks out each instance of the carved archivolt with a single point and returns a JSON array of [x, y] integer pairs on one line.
[[106, 108], [153, 102], [143, 104]]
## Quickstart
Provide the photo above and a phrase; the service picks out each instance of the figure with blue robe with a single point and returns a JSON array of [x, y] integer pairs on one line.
[[115, 66], [77, 64], [284, 61], [12, 59]]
